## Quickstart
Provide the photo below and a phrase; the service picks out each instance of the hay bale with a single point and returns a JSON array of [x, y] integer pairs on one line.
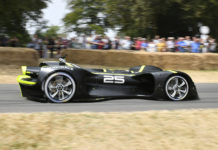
[[210, 61], [124, 58], [116, 58], [119, 58], [178, 60], [93, 57], [18, 56]]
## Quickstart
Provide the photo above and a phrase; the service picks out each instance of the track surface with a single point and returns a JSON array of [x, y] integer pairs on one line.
[[11, 101]]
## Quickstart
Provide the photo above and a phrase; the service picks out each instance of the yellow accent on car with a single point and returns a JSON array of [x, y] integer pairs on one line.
[[69, 65], [113, 74], [23, 68], [142, 68], [172, 71], [105, 70], [21, 81]]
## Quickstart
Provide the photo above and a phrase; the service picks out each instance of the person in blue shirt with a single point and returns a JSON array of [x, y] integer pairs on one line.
[[95, 43], [144, 44], [195, 45], [181, 44]]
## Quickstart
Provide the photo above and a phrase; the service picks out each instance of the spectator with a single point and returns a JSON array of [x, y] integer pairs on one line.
[[44, 48], [133, 43], [64, 43], [170, 44], [212, 45], [37, 44], [195, 45], [116, 43], [30, 44], [151, 47], [205, 46], [126, 43], [88, 42], [187, 42], [83, 42], [201, 41], [51, 45], [156, 39], [181, 45], [95, 43], [100, 43], [59, 45], [161, 46], [75, 43], [144, 44], [107, 43], [138, 43]]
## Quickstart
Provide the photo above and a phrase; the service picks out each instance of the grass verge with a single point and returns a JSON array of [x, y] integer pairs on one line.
[[156, 130]]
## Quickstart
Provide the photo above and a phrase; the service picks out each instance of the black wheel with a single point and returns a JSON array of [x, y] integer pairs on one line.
[[177, 88], [60, 87]]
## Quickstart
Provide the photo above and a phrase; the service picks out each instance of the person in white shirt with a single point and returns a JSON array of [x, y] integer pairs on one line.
[[126, 43], [89, 39], [170, 44], [156, 39], [151, 47]]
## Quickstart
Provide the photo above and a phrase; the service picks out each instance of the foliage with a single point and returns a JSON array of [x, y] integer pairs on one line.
[[143, 17], [205, 12], [52, 31], [85, 16], [134, 17], [16, 13]]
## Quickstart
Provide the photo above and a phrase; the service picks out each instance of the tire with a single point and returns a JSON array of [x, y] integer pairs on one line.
[[177, 88], [59, 87]]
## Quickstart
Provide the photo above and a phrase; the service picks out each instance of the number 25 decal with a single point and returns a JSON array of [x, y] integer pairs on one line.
[[114, 79]]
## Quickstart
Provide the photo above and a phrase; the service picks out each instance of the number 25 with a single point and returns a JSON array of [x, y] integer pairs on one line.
[[114, 79]]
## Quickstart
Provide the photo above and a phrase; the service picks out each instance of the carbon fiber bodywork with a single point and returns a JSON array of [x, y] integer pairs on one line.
[[146, 82]]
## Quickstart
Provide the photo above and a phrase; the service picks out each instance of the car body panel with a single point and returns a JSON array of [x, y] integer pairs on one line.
[[145, 82]]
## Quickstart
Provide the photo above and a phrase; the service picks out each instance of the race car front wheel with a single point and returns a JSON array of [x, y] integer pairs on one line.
[[177, 88], [60, 87]]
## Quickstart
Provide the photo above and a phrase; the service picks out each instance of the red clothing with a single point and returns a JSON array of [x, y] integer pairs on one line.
[[138, 45], [100, 46]]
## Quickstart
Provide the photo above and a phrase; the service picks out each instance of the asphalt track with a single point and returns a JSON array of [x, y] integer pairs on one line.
[[11, 101]]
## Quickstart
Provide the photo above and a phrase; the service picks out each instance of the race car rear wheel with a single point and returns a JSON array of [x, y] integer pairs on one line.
[[60, 87], [177, 88]]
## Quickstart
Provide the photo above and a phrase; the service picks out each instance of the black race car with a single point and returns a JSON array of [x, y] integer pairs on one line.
[[61, 82]]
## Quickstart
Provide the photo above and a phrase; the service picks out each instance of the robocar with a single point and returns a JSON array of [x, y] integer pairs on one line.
[[61, 82]]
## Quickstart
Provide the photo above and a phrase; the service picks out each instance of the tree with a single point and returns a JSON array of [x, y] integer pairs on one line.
[[16, 13], [133, 17], [143, 17], [205, 12], [52, 31], [86, 16]]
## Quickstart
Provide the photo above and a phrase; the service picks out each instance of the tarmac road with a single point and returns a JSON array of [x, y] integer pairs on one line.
[[11, 101]]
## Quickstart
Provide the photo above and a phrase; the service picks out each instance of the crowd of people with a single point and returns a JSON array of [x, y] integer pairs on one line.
[[6, 41], [47, 46], [170, 44]]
